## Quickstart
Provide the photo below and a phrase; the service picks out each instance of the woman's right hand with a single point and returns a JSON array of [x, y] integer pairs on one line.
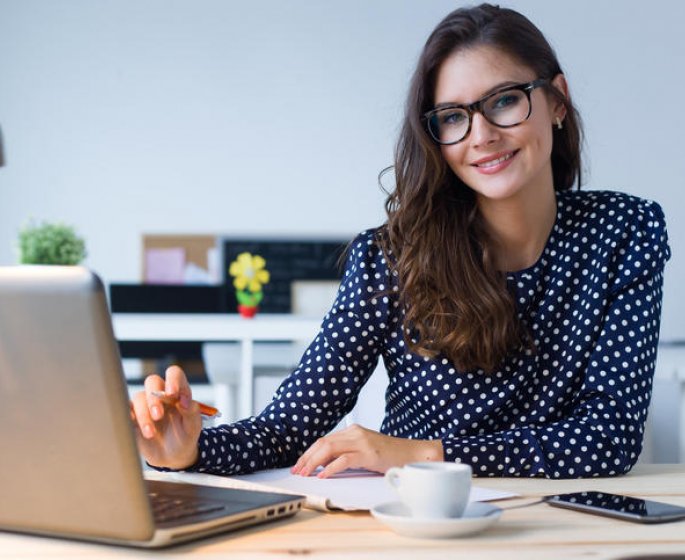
[[167, 434]]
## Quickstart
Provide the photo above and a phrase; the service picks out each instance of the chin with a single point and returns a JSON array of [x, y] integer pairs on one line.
[[497, 191]]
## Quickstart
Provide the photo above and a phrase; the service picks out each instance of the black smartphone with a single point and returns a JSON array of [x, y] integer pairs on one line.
[[621, 507]]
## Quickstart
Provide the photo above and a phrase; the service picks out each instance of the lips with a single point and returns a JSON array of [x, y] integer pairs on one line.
[[493, 160], [494, 163]]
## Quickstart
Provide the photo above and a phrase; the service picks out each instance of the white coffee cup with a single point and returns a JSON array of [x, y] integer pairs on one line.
[[432, 489]]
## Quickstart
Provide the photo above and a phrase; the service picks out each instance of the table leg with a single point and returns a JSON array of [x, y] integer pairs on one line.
[[246, 378]]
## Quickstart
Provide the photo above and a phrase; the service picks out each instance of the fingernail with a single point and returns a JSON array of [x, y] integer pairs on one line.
[[156, 412], [185, 401], [148, 432]]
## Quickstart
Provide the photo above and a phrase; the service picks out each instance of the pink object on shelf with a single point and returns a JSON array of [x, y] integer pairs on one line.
[[165, 266]]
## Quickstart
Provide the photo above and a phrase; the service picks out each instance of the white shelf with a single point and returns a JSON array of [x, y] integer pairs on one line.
[[219, 328]]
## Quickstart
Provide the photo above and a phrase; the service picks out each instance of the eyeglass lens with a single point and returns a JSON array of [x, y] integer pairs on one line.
[[505, 108]]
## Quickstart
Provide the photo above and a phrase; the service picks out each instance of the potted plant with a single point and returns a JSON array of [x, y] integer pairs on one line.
[[48, 243], [250, 276]]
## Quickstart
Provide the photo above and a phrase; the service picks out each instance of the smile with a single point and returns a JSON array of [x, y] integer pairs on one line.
[[493, 162]]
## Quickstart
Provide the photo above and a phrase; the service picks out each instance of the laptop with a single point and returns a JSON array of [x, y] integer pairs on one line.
[[69, 465]]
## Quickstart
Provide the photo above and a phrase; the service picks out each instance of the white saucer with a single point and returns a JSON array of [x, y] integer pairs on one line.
[[477, 517]]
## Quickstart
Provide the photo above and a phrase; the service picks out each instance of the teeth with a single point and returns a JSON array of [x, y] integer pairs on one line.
[[494, 162]]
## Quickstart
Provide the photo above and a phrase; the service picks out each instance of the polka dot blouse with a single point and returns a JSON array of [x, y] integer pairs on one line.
[[574, 406]]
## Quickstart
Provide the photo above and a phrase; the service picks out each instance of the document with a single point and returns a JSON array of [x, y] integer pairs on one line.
[[351, 490]]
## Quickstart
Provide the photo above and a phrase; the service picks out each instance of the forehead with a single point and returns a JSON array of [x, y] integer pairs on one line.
[[468, 74]]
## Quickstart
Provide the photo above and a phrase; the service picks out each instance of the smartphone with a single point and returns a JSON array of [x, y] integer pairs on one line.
[[618, 506]]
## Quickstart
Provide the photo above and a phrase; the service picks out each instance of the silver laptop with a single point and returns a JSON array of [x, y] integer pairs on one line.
[[69, 465]]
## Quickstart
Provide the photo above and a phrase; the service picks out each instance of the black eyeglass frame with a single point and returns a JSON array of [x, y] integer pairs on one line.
[[477, 107]]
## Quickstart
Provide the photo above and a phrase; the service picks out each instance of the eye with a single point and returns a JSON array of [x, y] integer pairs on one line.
[[505, 100], [452, 117]]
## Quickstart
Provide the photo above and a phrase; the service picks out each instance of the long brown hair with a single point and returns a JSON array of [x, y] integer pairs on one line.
[[456, 302]]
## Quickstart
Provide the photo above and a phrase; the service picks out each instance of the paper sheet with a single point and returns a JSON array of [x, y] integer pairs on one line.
[[351, 490]]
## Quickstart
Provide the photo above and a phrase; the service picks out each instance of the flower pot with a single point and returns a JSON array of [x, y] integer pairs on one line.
[[247, 311]]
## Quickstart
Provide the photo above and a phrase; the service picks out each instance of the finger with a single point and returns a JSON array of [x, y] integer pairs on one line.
[[342, 463], [177, 384], [302, 460], [352, 440], [338, 437], [307, 455], [154, 383], [327, 449], [187, 418], [141, 411], [192, 420]]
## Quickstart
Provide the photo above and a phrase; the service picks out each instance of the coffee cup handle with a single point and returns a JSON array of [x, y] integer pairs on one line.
[[392, 477]]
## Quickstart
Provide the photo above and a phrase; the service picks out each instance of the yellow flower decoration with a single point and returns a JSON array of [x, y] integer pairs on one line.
[[249, 272]]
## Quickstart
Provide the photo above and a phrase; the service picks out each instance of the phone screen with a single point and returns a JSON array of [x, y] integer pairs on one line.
[[616, 505]]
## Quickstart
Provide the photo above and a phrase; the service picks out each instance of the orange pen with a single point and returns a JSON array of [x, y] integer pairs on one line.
[[205, 409]]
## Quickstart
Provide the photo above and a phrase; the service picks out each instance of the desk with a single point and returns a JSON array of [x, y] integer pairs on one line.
[[536, 533], [218, 328]]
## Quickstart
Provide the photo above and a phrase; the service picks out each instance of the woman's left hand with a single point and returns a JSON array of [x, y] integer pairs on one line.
[[357, 447]]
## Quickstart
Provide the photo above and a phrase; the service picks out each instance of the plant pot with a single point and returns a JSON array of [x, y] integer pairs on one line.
[[247, 311]]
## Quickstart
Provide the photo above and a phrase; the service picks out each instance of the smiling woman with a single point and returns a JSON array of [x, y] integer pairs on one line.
[[488, 191], [518, 320], [509, 157]]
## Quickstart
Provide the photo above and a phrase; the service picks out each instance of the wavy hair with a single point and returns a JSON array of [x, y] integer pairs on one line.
[[456, 302]]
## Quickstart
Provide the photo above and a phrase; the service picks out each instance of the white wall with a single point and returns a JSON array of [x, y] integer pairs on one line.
[[125, 117]]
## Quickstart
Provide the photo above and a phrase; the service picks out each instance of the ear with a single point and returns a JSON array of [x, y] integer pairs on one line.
[[557, 108]]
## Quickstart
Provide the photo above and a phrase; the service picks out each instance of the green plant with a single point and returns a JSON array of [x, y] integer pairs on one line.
[[50, 244]]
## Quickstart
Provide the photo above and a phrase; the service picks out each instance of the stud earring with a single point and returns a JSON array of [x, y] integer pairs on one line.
[[559, 125]]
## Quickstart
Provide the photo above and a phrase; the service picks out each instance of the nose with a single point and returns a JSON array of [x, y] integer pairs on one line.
[[482, 132]]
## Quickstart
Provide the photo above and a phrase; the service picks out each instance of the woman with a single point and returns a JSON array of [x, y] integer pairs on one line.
[[517, 319]]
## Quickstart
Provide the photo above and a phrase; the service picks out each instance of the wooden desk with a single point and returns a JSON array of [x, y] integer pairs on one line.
[[218, 327], [536, 533]]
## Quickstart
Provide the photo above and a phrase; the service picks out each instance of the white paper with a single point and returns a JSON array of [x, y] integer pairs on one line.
[[350, 490]]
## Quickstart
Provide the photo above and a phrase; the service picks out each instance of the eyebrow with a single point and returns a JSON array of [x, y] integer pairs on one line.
[[493, 89]]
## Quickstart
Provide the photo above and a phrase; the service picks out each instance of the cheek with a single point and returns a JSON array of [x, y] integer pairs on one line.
[[542, 135], [454, 157], [545, 140]]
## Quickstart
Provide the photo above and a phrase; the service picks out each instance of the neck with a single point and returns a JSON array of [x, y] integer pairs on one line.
[[520, 226]]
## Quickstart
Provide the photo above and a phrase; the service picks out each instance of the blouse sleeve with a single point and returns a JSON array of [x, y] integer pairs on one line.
[[602, 432], [324, 386]]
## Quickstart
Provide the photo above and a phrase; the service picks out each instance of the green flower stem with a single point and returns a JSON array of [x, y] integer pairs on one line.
[[250, 299]]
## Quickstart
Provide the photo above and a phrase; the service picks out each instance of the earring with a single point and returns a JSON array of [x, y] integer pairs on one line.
[[559, 125]]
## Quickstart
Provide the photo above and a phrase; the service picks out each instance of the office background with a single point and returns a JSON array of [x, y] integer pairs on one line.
[[129, 117], [124, 117]]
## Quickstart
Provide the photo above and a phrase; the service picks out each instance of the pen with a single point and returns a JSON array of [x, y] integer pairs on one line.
[[205, 409]]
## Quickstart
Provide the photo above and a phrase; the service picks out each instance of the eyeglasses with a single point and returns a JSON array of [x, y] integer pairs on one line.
[[506, 107]]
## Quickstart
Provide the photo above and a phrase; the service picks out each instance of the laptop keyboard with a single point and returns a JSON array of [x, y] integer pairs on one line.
[[170, 508]]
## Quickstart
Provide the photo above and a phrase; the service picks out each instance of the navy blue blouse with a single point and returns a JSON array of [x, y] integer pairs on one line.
[[574, 406]]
